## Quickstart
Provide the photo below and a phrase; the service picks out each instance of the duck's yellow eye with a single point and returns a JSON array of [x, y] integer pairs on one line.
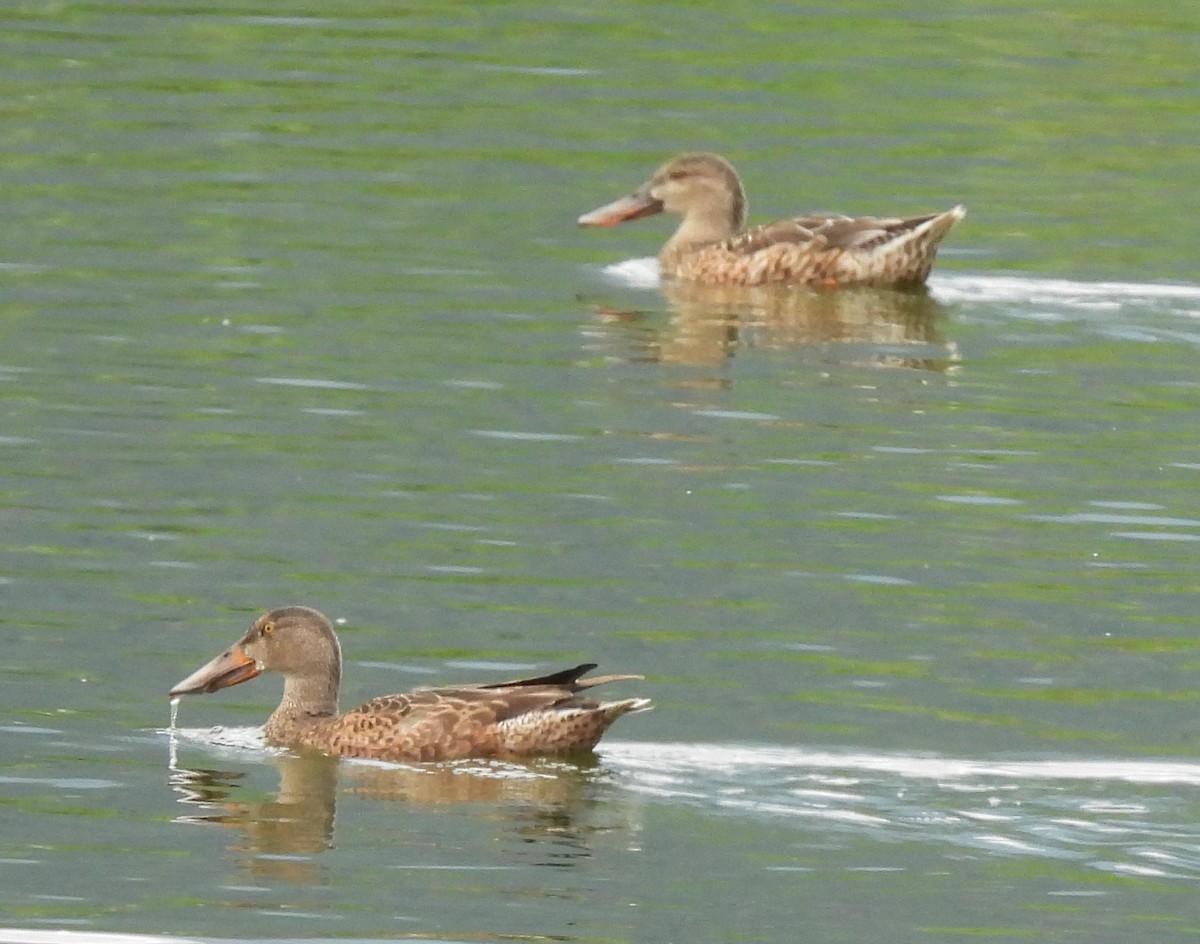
[[268, 628]]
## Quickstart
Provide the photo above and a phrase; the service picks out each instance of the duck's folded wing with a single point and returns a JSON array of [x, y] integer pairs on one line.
[[798, 231], [826, 231], [444, 723], [457, 711], [867, 232]]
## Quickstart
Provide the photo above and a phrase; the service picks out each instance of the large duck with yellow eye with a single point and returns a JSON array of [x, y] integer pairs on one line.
[[551, 714], [822, 250]]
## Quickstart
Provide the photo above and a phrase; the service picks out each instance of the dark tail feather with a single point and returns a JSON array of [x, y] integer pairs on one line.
[[567, 678]]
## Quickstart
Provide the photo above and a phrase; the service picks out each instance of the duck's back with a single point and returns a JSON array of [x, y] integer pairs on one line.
[[522, 718], [825, 250]]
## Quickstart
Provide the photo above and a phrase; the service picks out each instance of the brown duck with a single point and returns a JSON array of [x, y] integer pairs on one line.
[[525, 717], [823, 250]]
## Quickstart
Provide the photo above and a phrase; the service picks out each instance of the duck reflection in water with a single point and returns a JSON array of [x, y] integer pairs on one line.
[[544, 804], [278, 836], [709, 324]]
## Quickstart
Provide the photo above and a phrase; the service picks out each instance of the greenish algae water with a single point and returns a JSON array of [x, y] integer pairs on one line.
[[294, 309]]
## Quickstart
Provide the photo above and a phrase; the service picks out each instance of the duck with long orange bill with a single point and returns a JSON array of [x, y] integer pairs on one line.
[[823, 250], [548, 715]]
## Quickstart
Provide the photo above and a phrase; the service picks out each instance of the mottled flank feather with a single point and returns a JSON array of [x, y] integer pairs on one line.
[[524, 717], [509, 720], [827, 251], [819, 251]]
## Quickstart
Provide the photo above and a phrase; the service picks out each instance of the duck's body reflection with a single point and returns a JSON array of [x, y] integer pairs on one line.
[[865, 326], [281, 837]]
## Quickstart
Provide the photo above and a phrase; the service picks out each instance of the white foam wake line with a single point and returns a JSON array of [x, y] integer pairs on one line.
[[644, 273], [955, 287], [720, 759]]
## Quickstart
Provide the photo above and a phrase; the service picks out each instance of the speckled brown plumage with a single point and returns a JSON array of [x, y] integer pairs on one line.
[[524, 717], [823, 250]]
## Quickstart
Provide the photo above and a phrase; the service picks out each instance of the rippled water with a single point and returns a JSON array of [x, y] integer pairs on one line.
[[294, 310], [1053, 809]]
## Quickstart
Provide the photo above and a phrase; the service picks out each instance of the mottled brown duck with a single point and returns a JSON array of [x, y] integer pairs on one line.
[[551, 714], [822, 250]]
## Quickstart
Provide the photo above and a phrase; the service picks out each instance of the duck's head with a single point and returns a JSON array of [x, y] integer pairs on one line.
[[698, 186], [296, 641]]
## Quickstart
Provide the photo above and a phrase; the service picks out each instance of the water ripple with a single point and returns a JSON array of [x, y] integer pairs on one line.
[[1083, 295], [1096, 518], [524, 436], [312, 383], [1110, 814]]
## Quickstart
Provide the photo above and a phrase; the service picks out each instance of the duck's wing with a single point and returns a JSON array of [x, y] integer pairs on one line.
[[827, 231], [798, 231], [481, 720], [821, 250], [865, 233], [567, 678]]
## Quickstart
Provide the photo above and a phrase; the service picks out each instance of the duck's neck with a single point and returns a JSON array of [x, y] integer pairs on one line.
[[700, 227], [305, 700]]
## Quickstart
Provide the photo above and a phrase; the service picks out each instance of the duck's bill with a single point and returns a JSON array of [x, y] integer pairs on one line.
[[231, 667], [632, 207]]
